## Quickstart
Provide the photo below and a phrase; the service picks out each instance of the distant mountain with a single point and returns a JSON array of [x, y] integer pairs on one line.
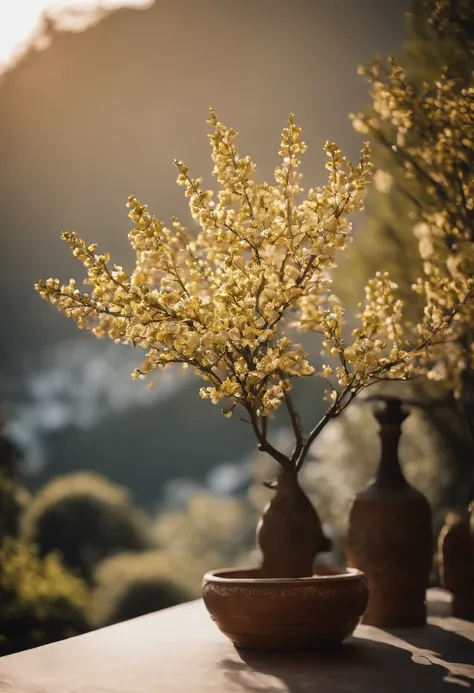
[[102, 114], [83, 411], [145, 448]]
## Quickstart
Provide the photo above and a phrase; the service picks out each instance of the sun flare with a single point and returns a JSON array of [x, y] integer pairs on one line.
[[20, 20]]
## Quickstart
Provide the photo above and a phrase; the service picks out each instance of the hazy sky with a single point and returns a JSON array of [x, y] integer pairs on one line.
[[19, 19]]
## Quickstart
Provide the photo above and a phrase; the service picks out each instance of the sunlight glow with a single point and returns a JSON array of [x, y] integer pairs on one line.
[[20, 20]]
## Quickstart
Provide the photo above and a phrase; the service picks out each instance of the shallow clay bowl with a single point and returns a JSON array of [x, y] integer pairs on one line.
[[285, 613]]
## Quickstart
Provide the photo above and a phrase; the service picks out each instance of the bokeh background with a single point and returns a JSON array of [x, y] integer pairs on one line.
[[141, 491], [94, 115]]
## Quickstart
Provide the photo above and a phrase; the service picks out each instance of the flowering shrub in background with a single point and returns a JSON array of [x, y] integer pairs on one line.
[[432, 126], [40, 601]]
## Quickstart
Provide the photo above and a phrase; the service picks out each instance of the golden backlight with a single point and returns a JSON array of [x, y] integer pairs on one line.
[[20, 20]]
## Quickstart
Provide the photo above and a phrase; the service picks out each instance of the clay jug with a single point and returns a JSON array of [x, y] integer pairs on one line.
[[289, 532], [390, 535], [456, 561]]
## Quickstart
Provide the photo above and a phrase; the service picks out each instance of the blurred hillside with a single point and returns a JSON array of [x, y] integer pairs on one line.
[[101, 114]]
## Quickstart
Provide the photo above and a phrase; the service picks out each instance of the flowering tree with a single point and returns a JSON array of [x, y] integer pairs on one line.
[[219, 301], [429, 129]]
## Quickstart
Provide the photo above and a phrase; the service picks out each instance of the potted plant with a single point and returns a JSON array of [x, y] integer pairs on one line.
[[221, 300]]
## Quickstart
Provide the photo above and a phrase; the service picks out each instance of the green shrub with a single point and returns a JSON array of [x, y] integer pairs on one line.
[[14, 500], [86, 518], [211, 532], [131, 585], [40, 601]]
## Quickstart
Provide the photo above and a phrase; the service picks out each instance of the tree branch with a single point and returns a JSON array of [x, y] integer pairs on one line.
[[264, 444], [297, 428]]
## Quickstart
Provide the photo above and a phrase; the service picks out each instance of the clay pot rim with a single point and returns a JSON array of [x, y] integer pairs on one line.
[[219, 577]]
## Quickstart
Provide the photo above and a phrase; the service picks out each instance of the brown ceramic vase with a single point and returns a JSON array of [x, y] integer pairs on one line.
[[289, 533], [263, 613], [456, 562], [390, 535]]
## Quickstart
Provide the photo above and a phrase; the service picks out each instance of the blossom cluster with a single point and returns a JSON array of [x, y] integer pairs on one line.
[[433, 128], [219, 298]]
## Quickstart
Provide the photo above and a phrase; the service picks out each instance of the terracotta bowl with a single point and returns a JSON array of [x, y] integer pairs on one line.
[[285, 613]]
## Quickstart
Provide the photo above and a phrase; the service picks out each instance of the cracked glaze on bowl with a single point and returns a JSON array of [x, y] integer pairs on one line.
[[264, 613]]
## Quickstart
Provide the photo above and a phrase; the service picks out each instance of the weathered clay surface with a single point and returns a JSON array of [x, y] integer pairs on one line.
[[390, 535], [456, 562], [390, 540]]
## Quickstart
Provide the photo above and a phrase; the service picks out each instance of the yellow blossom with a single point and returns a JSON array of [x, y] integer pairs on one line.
[[259, 257], [434, 131]]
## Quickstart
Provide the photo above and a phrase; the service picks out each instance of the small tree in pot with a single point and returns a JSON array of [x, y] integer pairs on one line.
[[219, 301]]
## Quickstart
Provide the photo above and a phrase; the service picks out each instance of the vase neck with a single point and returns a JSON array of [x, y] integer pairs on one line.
[[389, 473], [287, 477]]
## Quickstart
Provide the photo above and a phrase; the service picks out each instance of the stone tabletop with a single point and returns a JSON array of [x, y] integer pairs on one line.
[[180, 650]]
